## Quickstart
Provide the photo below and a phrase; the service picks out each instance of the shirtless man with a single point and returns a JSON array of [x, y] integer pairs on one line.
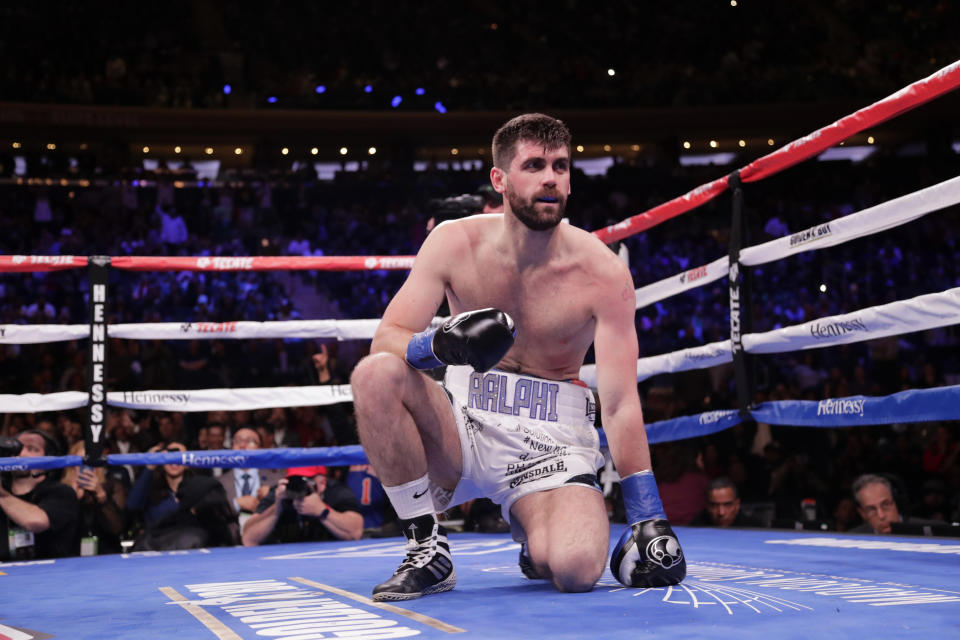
[[528, 296]]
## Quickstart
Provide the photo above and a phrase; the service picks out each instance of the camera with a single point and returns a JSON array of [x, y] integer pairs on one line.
[[298, 487], [456, 206], [10, 447]]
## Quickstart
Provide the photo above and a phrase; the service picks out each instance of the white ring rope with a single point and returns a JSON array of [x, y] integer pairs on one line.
[[905, 316], [241, 399], [924, 312], [881, 217], [339, 329]]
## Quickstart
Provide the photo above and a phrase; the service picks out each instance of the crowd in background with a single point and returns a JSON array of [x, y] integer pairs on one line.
[[488, 56], [309, 55], [774, 469]]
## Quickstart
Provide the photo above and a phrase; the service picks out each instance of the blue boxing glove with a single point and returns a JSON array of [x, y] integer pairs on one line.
[[478, 338], [648, 554]]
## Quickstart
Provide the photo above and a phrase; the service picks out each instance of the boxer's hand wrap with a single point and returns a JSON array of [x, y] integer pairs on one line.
[[478, 338], [648, 554]]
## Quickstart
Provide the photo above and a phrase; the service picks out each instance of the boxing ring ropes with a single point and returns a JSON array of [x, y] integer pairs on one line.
[[238, 593]]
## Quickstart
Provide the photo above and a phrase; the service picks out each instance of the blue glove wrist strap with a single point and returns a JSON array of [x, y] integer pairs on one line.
[[420, 351], [641, 499]]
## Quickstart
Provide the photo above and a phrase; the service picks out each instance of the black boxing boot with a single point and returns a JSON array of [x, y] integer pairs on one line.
[[526, 564], [428, 567]]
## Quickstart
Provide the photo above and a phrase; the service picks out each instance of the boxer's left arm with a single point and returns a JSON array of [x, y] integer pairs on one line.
[[648, 553], [417, 301], [616, 350]]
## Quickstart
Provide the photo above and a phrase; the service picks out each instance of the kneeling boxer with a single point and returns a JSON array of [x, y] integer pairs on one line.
[[508, 422]]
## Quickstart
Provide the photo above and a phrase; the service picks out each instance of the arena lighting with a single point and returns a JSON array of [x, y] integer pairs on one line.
[[420, 91], [686, 144], [439, 107], [51, 146], [396, 101], [607, 148], [713, 144], [314, 151], [870, 139], [635, 147], [146, 149], [823, 288], [733, 3], [742, 143], [208, 151], [227, 89], [579, 148], [238, 151], [320, 89], [343, 151], [372, 151], [852, 153], [704, 159], [285, 151], [594, 166], [454, 151], [272, 99], [368, 88], [177, 149], [611, 72], [16, 145]]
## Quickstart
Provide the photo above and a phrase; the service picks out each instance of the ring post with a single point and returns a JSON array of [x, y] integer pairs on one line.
[[98, 271], [740, 302]]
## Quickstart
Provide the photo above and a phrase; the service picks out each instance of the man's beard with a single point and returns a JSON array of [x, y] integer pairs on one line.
[[537, 220]]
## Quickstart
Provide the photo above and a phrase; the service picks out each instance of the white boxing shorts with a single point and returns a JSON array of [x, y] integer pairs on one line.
[[518, 435]]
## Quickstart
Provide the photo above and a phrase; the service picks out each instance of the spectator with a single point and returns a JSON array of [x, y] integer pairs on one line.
[[245, 487], [203, 518], [173, 229], [877, 506], [379, 518], [681, 480], [154, 495], [723, 507], [102, 494], [37, 513], [845, 515], [305, 507]]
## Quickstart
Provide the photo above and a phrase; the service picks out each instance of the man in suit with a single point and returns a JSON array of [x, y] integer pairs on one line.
[[246, 487]]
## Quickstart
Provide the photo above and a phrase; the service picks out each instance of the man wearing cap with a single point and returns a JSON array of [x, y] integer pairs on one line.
[[305, 507]]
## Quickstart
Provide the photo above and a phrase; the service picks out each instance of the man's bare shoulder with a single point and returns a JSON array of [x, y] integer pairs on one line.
[[595, 254], [457, 235]]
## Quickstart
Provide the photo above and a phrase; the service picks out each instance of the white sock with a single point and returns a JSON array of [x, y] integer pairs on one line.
[[412, 499]]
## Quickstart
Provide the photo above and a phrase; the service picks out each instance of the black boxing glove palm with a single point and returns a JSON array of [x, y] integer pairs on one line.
[[478, 338], [648, 555]]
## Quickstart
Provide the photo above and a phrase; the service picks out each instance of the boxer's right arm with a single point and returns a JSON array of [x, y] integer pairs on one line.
[[417, 301]]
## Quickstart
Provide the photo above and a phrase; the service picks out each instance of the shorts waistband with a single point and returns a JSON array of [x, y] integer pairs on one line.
[[528, 397]]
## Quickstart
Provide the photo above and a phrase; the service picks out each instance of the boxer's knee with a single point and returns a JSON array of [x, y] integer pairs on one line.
[[378, 373], [575, 572]]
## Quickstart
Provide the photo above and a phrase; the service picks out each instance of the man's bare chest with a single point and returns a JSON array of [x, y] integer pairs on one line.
[[549, 306]]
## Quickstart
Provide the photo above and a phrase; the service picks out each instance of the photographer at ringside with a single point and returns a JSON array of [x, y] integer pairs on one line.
[[484, 200], [38, 513], [305, 507]]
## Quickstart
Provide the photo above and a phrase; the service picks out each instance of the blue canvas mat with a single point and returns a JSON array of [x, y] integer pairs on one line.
[[744, 584]]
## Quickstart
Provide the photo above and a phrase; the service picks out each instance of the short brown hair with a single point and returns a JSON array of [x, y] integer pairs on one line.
[[533, 127]]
